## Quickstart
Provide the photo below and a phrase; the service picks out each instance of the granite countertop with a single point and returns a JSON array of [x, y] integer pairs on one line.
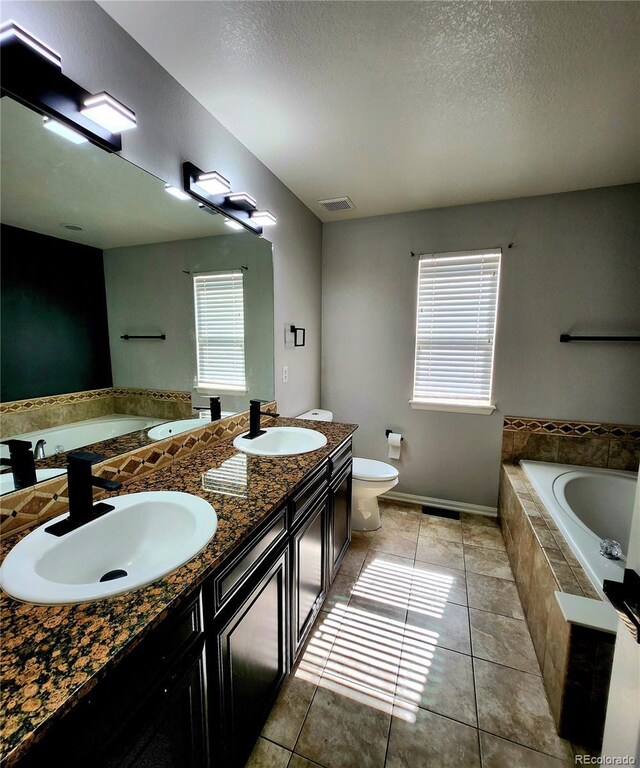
[[53, 655]]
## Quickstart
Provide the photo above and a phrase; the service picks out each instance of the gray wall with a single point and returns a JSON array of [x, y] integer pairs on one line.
[[148, 292], [574, 267], [174, 127]]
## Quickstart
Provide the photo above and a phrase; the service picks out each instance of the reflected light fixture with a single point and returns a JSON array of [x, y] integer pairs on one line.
[[10, 30], [242, 200], [63, 130], [233, 224], [263, 218], [178, 193], [109, 113], [214, 183], [206, 209]]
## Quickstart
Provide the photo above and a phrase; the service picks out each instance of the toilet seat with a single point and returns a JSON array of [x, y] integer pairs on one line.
[[372, 471]]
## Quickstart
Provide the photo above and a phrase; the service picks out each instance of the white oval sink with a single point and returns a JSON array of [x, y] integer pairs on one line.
[[180, 426], [6, 478], [145, 537], [282, 441]]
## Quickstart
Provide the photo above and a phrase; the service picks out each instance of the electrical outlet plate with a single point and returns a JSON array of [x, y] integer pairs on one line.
[[285, 374]]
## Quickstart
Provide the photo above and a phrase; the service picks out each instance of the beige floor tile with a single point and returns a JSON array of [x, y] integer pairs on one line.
[[434, 678], [302, 762], [440, 552], [361, 539], [340, 590], [498, 753], [503, 640], [495, 595], [313, 657], [482, 536], [470, 518], [488, 562], [268, 755], [441, 528], [401, 543], [431, 741], [385, 579], [446, 626], [352, 561], [345, 731], [288, 713], [400, 519], [436, 581], [513, 704]]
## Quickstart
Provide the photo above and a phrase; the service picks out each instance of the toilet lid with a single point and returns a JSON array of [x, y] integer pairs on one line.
[[368, 469]]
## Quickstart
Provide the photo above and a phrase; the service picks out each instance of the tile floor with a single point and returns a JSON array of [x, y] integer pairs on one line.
[[420, 659]]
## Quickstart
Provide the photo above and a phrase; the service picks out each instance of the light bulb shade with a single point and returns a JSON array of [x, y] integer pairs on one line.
[[213, 183], [177, 193], [242, 200], [10, 31], [63, 130], [233, 224], [263, 218], [109, 113]]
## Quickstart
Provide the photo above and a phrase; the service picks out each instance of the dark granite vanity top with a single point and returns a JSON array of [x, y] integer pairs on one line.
[[53, 655]]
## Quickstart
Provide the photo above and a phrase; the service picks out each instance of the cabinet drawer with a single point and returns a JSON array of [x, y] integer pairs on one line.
[[308, 493], [340, 457], [338, 477], [234, 575]]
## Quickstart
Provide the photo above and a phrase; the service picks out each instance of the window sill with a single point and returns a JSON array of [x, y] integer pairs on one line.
[[213, 390], [424, 405]]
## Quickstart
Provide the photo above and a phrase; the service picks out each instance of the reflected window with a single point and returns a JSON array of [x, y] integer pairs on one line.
[[219, 312]]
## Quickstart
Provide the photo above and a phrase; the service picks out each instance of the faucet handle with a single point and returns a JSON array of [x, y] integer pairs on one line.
[[79, 458]]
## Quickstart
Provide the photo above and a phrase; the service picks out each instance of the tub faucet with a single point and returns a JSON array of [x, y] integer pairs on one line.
[[21, 462], [214, 408], [38, 451], [254, 419], [80, 482], [610, 549]]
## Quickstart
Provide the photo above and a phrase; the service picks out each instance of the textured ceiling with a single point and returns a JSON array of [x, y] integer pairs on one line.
[[409, 105]]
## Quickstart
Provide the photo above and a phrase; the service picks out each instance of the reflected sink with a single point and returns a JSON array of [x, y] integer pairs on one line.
[[282, 441], [182, 425], [6, 478], [145, 537]]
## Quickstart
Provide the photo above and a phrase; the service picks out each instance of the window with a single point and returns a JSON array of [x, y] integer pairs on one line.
[[219, 303], [455, 329]]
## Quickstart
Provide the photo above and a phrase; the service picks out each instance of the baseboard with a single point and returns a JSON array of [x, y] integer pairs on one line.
[[457, 506]]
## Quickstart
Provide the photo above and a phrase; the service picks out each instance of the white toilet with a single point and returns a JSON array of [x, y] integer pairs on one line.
[[370, 480]]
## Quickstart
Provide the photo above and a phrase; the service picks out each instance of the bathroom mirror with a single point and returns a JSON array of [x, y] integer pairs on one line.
[[95, 250]]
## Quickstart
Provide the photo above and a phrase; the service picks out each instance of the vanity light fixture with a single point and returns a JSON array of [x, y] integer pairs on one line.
[[207, 209], [263, 218], [242, 201], [178, 193], [10, 30], [63, 130], [233, 224], [214, 183], [109, 113]]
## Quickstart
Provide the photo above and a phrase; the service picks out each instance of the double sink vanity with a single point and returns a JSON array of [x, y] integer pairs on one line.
[[182, 671]]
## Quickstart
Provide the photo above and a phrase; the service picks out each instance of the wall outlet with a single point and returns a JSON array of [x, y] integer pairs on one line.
[[285, 374]]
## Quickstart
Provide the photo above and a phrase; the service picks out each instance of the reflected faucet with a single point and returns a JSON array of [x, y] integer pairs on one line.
[[81, 481], [254, 419], [214, 408], [38, 451], [21, 462]]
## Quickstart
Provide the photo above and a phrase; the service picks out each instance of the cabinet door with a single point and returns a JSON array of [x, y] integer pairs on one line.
[[309, 565], [340, 518], [252, 647]]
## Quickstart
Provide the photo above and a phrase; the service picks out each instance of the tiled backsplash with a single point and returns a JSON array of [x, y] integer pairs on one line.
[[20, 416], [612, 446], [32, 506]]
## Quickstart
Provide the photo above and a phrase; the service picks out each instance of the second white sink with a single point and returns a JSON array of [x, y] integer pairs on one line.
[[282, 441], [181, 425]]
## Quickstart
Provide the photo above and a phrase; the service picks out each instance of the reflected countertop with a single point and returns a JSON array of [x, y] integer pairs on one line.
[[53, 655]]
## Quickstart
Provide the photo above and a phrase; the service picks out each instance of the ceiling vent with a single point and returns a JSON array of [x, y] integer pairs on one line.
[[337, 204]]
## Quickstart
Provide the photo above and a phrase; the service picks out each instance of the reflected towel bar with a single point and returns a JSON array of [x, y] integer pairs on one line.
[[567, 337], [126, 337]]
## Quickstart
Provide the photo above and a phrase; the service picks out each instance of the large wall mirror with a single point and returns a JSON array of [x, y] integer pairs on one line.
[[94, 249]]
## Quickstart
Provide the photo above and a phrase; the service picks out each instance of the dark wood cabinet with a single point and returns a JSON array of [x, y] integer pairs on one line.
[[251, 661], [309, 569], [339, 517]]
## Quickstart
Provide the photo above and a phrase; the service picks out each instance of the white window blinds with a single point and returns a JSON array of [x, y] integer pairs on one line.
[[455, 327], [219, 305]]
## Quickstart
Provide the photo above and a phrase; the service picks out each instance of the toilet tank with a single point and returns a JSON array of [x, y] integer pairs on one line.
[[317, 414]]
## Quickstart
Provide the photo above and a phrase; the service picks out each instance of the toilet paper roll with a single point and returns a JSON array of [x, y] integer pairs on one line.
[[394, 439]]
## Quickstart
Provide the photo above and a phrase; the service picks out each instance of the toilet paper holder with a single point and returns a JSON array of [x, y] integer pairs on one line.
[[389, 431]]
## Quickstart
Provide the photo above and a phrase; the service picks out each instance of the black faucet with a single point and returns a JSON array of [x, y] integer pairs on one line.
[[254, 419], [21, 462], [80, 492], [214, 407]]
